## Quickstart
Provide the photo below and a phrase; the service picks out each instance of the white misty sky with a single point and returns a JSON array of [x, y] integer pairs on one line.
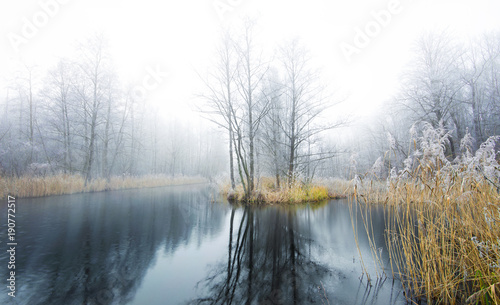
[[179, 37]]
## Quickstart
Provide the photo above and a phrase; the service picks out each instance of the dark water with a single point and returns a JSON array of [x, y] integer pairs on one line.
[[174, 246]]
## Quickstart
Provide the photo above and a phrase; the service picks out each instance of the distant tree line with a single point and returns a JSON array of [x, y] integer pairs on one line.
[[452, 85], [78, 118]]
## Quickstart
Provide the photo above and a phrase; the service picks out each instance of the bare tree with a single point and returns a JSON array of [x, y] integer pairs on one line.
[[233, 101], [491, 51], [30, 103], [480, 66], [273, 139], [431, 89], [221, 96], [25, 86], [304, 103], [93, 69], [57, 92], [473, 69], [275, 119], [247, 120], [108, 134]]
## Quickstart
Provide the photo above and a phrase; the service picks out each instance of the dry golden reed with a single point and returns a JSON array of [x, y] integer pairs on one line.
[[268, 193], [28, 186], [443, 224], [444, 239]]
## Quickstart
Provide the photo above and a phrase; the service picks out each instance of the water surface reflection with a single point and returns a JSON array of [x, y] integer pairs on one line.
[[174, 246]]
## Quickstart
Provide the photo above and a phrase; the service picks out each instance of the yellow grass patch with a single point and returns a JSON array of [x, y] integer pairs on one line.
[[287, 194]]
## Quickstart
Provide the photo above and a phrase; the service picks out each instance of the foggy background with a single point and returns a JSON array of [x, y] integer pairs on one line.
[[103, 88]]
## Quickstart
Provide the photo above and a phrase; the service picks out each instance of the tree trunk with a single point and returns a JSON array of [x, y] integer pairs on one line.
[[251, 185], [476, 123], [231, 158], [132, 144], [68, 137], [230, 125], [31, 119], [105, 167], [90, 155]]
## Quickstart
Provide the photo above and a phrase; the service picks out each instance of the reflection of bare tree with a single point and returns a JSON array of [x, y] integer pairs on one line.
[[265, 262], [96, 250]]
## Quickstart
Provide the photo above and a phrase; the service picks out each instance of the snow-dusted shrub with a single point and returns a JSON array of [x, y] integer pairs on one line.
[[428, 159]]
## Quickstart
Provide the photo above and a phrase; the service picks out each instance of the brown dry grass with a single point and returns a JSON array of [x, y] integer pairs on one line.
[[28, 186], [268, 193], [443, 235]]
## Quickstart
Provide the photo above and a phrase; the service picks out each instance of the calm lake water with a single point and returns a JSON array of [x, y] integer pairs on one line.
[[173, 245]]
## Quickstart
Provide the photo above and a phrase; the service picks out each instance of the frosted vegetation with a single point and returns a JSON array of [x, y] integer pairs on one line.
[[431, 155], [271, 121], [427, 152], [442, 216]]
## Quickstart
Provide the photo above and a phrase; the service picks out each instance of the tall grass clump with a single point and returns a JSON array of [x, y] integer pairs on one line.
[[38, 186], [443, 221], [288, 193], [363, 210]]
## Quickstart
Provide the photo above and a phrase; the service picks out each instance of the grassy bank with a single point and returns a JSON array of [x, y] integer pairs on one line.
[[444, 241], [444, 238], [268, 193], [28, 186], [443, 226]]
